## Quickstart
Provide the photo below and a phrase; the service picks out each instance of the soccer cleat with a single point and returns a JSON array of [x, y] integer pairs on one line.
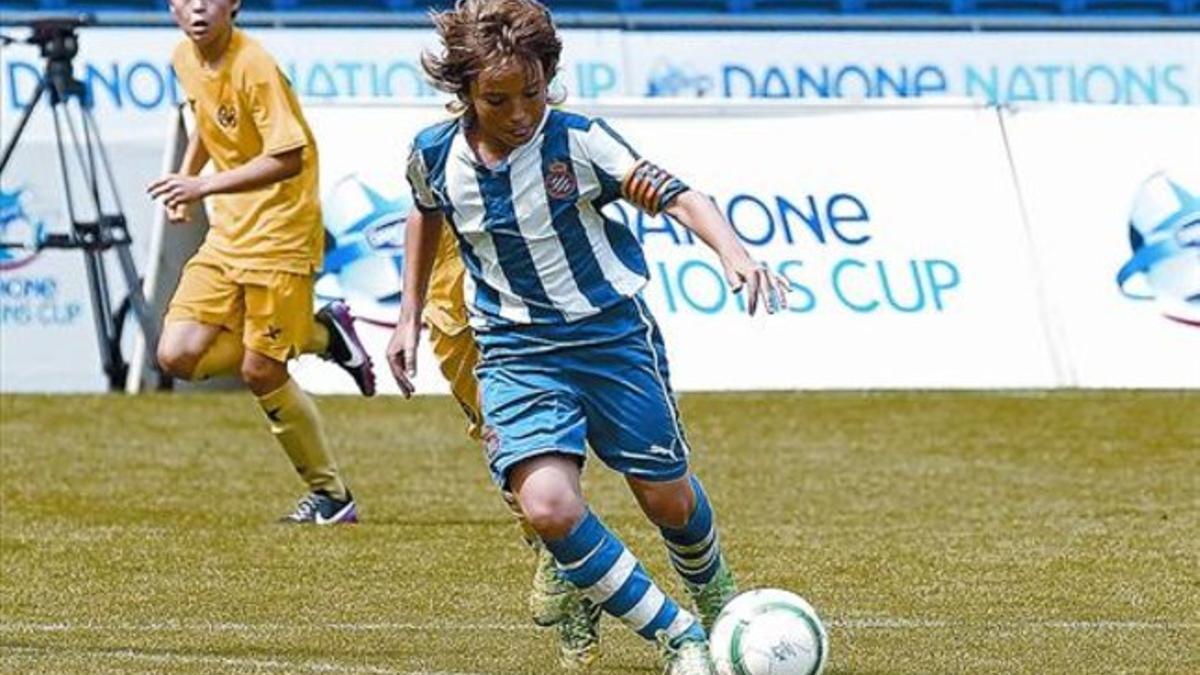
[[345, 349], [688, 656], [579, 633], [710, 598], [550, 596], [319, 508]]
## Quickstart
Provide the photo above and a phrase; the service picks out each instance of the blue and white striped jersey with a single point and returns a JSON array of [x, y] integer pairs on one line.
[[536, 247]]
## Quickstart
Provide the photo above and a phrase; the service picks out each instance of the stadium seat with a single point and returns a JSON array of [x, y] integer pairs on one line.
[[68, 6], [258, 5], [335, 5], [674, 5], [909, 6], [813, 6], [1135, 6], [1023, 6], [606, 6]]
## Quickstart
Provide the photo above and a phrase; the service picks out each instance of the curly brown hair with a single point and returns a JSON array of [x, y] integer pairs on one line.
[[481, 34]]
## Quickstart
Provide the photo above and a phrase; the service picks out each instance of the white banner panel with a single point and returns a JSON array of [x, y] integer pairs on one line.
[[906, 251], [900, 246], [1137, 68], [898, 225], [1106, 190], [48, 340]]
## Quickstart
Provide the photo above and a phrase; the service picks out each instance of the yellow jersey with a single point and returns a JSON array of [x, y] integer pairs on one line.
[[244, 108]]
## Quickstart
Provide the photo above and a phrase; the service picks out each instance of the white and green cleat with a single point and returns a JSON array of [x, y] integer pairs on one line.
[[550, 594], [579, 634], [689, 657], [711, 598]]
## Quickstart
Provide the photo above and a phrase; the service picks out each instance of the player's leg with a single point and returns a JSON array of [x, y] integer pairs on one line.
[[537, 415], [597, 562], [634, 427], [673, 500], [684, 515], [334, 338], [457, 355], [200, 337], [190, 350], [278, 322]]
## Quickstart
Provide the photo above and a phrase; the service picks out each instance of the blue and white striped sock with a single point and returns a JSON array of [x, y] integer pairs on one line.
[[695, 549], [598, 564]]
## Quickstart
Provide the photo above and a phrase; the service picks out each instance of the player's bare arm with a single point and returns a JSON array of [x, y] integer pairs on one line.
[[698, 214], [194, 158], [178, 189], [422, 233]]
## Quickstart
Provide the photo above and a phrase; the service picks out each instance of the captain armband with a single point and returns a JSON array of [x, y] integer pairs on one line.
[[650, 188]]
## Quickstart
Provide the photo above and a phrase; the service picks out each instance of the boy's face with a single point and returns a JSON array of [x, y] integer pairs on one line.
[[204, 21], [509, 101]]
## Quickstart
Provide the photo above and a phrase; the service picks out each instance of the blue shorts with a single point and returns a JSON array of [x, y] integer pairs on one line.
[[602, 380]]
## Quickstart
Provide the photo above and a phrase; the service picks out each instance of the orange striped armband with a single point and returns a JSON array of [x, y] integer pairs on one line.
[[649, 187]]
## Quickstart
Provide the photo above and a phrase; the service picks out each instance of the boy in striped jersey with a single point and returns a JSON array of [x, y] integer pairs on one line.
[[569, 352]]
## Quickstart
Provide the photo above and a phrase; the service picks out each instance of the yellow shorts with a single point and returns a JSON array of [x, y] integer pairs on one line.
[[271, 310], [457, 357]]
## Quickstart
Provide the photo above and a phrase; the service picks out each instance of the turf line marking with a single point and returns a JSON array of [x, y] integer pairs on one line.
[[858, 623], [1101, 624], [228, 661]]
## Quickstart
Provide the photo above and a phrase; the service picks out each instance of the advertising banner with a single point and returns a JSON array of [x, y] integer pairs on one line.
[[1113, 200], [1000, 67], [128, 69], [927, 244], [905, 252]]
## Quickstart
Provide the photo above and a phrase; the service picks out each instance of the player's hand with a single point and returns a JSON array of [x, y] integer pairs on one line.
[[179, 215], [177, 190], [759, 282], [402, 354]]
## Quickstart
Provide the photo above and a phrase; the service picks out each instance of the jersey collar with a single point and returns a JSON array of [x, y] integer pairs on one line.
[[469, 155]]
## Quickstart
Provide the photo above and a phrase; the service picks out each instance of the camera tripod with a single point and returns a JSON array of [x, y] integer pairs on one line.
[[58, 43]]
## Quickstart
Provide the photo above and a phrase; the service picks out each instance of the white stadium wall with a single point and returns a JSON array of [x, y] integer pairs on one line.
[[1084, 174], [932, 243]]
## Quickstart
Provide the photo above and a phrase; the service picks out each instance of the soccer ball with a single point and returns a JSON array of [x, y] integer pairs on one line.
[[769, 632]]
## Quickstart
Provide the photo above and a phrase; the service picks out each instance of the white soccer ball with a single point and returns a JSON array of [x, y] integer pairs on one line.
[[769, 632]]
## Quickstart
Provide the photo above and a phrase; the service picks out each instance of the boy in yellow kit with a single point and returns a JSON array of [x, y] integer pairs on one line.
[[244, 301]]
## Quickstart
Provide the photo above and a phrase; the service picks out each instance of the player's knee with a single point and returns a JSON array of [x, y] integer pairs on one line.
[[263, 375], [176, 360], [553, 514], [668, 508]]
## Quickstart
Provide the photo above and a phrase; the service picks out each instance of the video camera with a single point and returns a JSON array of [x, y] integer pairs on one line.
[[56, 36]]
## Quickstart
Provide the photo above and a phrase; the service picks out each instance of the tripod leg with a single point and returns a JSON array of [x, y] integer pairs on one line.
[[137, 299], [110, 351], [12, 142]]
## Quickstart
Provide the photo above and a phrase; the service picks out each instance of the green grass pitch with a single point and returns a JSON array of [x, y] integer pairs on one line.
[[955, 532]]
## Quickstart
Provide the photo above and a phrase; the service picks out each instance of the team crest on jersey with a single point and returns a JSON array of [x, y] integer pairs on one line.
[[226, 116], [560, 182]]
